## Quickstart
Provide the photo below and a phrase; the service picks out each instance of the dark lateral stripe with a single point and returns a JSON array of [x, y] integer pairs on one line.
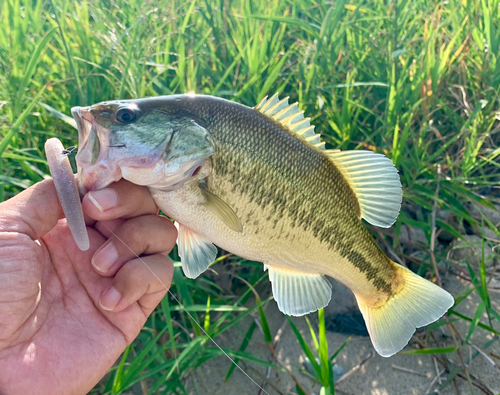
[[302, 215], [313, 194], [371, 273]]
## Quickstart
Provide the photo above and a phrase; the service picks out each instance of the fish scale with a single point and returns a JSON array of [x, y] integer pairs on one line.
[[258, 182], [326, 208]]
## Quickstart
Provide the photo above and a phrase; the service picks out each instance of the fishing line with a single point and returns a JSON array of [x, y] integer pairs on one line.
[[67, 190], [187, 312]]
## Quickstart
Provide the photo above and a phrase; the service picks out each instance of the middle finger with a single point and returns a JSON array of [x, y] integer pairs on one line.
[[147, 234]]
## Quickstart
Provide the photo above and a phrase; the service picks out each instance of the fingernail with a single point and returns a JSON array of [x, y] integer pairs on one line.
[[110, 299], [103, 199], [105, 258]]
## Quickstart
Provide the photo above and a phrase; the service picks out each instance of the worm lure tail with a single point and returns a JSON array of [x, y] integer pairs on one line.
[[67, 190]]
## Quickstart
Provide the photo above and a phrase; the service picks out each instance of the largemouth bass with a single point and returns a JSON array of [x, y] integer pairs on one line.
[[259, 183]]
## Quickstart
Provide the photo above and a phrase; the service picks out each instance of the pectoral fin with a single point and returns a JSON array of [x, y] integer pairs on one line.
[[298, 293], [221, 209], [196, 252]]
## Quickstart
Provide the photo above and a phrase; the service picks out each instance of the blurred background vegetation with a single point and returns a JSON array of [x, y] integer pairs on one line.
[[418, 81]]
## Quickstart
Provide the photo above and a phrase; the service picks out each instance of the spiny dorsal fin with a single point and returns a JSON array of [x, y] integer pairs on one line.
[[375, 181], [290, 117]]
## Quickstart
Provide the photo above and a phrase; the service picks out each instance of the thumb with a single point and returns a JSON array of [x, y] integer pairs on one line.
[[34, 212]]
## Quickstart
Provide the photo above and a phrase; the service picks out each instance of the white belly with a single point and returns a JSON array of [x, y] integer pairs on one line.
[[298, 251], [184, 206]]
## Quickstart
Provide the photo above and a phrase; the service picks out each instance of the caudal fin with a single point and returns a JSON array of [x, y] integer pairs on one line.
[[392, 325]]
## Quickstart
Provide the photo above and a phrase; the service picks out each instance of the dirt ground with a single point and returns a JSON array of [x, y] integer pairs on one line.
[[400, 374]]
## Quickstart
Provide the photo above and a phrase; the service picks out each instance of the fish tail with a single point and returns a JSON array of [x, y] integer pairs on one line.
[[418, 303]]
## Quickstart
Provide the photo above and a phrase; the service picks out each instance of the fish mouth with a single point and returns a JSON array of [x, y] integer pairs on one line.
[[96, 169], [101, 160], [111, 152]]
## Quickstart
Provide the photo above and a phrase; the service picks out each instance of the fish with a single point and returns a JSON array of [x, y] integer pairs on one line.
[[259, 182]]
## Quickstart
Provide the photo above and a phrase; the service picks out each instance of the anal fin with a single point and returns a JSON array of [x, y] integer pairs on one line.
[[196, 252], [298, 293]]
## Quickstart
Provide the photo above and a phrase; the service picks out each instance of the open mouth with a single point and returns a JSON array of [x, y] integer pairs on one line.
[[108, 153], [84, 122], [95, 169], [102, 160]]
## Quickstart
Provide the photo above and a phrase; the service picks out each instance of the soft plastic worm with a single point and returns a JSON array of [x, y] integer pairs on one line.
[[67, 190]]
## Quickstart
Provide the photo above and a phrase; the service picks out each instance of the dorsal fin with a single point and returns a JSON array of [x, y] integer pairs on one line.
[[291, 118], [375, 182]]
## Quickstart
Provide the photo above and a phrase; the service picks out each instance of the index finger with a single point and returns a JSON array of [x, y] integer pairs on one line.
[[121, 199]]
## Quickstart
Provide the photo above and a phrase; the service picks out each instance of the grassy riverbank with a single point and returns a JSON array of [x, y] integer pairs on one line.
[[418, 81]]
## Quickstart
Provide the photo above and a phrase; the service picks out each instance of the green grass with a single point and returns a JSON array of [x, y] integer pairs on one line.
[[418, 81]]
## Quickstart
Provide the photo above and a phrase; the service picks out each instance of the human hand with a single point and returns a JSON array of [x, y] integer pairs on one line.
[[66, 315]]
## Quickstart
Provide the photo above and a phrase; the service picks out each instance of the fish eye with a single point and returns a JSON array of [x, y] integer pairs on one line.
[[126, 115]]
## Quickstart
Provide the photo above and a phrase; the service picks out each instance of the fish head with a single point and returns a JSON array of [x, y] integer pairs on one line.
[[146, 141]]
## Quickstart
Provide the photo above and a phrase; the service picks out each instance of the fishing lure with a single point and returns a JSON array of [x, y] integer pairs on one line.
[[67, 190]]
